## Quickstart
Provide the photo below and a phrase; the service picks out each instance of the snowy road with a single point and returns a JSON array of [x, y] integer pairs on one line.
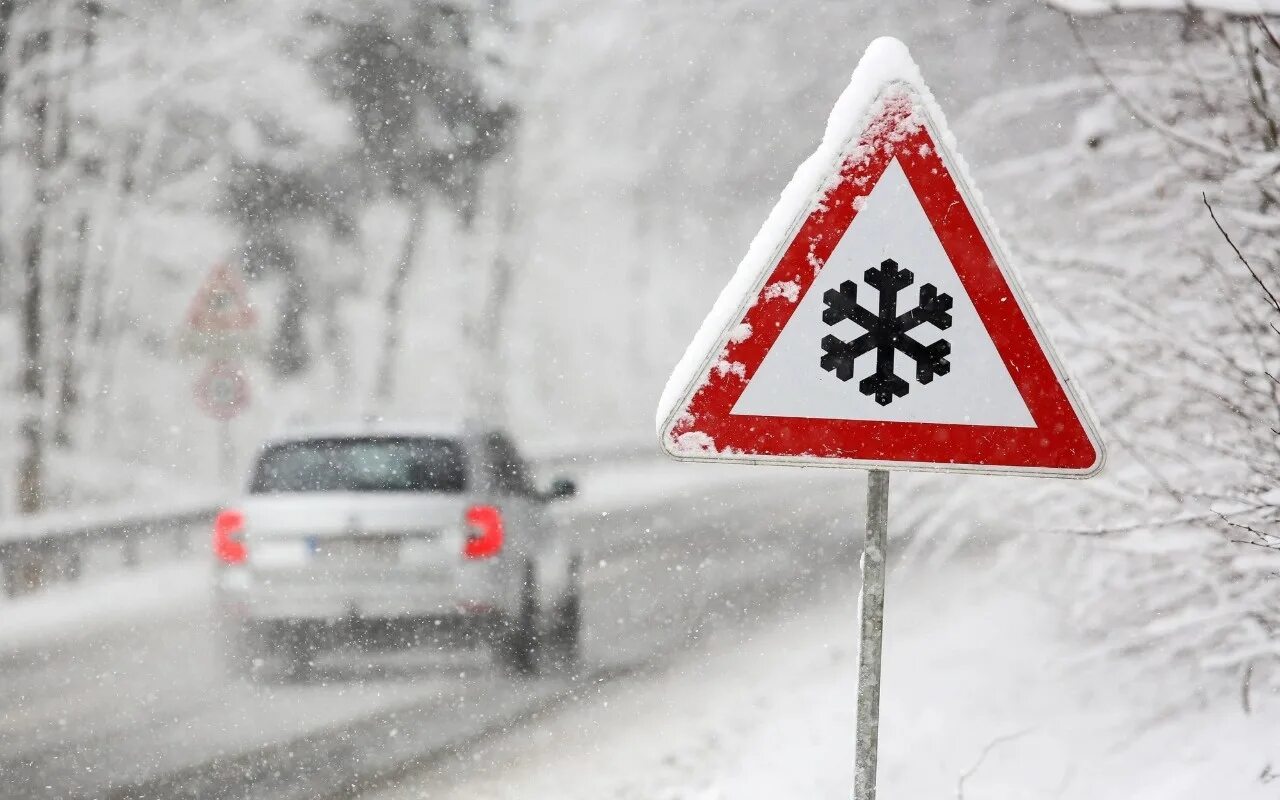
[[136, 704]]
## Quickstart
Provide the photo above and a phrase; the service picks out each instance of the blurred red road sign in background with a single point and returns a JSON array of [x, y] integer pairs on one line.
[[222, 390], [222, 303]]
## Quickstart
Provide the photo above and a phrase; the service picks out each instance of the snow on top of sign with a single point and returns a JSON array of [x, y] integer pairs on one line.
[[886, 61]]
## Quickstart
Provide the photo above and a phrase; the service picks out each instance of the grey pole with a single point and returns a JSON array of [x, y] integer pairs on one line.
[[871, 636], [227, 455]]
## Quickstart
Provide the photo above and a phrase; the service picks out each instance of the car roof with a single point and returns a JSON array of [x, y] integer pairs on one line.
[[355, 429]]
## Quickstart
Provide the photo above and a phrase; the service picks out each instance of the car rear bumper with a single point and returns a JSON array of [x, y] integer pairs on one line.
[[302, 595]]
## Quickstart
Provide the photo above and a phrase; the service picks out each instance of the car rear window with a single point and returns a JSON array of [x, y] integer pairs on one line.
[[362, 465]]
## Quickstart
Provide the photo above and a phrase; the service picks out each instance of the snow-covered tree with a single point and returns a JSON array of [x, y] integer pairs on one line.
[[1170, 303], [428, 120], [120, 124]]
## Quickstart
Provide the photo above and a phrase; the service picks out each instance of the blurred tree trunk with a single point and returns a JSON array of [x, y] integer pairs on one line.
[[488, 378], [40, 103], [393, 300], [133, 177], [70, 298], [494, 197], [8, 58], [80, 183], [33, 125], [333, 337], [31, 464], [490, 364]]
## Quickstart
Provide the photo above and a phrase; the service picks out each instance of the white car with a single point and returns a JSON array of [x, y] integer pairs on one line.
[[426, 527]]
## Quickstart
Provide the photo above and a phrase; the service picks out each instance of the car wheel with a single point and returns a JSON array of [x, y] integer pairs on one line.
[[517, 642], [566, 631], [241, 650]]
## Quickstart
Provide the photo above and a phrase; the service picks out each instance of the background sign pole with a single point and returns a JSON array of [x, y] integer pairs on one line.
[[871, 635], [227, 453]]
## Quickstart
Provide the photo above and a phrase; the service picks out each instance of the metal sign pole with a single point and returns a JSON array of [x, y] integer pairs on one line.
[[227, 455], [871, 636]]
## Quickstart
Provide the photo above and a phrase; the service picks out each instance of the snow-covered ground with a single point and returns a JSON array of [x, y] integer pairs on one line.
[[987, 694], [61, 614], [985, 697]]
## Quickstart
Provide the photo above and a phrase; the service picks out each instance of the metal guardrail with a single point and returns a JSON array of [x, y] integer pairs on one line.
[[48, 548], [37, 551]]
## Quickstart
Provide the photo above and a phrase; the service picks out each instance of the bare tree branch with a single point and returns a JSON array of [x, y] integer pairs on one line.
[[1262, 23], [1275, 304], [1266, 538]]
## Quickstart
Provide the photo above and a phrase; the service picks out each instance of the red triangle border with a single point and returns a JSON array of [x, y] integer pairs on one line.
[[1060, 442]]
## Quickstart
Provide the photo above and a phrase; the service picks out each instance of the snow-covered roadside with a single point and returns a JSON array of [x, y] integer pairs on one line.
[[67, 611], [984, 698]]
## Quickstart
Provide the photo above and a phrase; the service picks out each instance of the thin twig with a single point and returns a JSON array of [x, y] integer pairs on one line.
[[1264, 536], [986, 751], [1157, 523], [1275, 304], [1265, 546]]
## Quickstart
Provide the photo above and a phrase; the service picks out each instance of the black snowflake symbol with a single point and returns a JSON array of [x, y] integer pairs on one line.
[[886, 332]]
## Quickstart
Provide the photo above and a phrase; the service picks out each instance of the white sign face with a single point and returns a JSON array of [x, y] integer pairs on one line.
[[891, 224]]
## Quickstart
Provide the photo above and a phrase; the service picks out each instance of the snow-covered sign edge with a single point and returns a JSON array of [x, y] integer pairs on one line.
[[885, 63]]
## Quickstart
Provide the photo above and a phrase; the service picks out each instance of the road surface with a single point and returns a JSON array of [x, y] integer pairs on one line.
[[141, 708]]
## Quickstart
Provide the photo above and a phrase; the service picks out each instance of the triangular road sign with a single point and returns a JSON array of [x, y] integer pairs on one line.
[[222, 304], [875, 321]]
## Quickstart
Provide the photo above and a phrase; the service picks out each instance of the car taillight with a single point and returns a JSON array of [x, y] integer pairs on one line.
[[228, 527], [484, 539]]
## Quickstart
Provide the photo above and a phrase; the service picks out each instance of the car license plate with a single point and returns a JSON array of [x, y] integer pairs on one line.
[[279, 554], [363, 551]]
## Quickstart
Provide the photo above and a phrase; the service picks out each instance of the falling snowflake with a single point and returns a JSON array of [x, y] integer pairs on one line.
[[886, 332]]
